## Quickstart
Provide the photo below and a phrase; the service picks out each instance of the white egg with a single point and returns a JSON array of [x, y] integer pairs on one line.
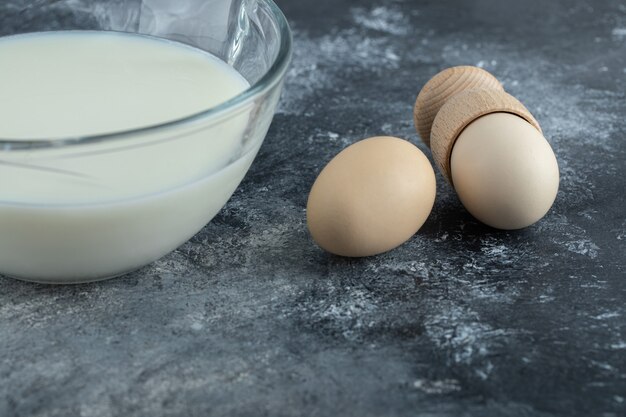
[[504, 171]]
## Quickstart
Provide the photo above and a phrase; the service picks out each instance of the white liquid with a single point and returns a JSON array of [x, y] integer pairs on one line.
[[93, 211], [76, 84]]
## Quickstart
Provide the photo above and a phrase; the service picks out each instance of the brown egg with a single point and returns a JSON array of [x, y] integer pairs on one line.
[[371, 197]]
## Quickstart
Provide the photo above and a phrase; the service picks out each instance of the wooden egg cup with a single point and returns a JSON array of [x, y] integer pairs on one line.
[[452, 100]]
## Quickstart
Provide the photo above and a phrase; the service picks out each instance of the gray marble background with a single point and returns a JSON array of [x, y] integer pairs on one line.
[[250, 318]]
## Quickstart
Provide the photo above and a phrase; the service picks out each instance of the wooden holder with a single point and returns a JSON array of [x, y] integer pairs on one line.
[[442, 87], [461, 110]]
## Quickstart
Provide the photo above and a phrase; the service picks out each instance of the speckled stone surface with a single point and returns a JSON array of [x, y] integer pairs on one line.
[[250, 318]]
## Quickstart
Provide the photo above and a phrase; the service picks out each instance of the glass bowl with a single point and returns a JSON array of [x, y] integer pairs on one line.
[[64, 223]]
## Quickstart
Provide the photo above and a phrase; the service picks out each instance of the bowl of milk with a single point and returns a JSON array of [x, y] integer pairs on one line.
[[126, 126]]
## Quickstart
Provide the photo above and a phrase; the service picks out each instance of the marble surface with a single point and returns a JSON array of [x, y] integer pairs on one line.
[[250, 318]]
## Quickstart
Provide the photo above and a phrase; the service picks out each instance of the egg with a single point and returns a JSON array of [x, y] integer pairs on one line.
[[504, 171], [371, 197], [488, 146]]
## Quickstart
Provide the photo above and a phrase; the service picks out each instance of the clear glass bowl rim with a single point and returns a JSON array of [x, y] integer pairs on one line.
[[271, 77]]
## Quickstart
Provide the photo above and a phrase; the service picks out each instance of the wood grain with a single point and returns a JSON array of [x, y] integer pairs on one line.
[[461, 110], [442, 87]]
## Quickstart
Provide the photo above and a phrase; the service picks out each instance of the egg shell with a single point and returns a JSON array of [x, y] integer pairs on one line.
[[460, 111], [504, 171], [371, 197]]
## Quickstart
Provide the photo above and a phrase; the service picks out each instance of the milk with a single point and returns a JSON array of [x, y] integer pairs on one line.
[[85, 212]]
